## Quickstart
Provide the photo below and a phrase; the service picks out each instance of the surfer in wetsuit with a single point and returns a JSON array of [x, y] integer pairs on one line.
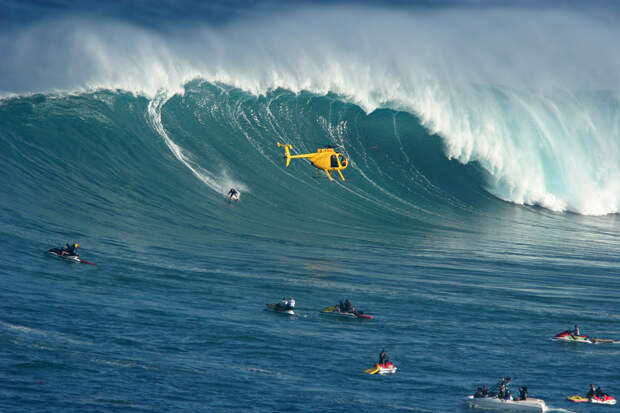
[[233, 194]]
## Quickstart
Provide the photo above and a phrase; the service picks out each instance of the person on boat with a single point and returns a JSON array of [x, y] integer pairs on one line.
[[523, 393], [70, 250], [599, 393], [382, 357], [507, 395], [577, 330], [478, 394], [291, 304], [283, 304], [592, 392], [233, 193], [502, 391], [485, 391], [340, 306]]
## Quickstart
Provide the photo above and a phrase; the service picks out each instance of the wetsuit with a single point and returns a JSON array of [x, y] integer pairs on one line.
[[70, 249]]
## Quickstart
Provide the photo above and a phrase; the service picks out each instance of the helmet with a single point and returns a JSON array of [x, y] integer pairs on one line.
[[76, 245]]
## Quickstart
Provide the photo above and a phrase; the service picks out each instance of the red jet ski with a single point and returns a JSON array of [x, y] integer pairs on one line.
[[570, 337], [606, 399]]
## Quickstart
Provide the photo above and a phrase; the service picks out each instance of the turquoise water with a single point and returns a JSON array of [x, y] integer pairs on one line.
[[464, 288], [478, 219]]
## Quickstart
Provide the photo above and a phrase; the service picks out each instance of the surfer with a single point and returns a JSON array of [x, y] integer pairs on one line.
[[233, 194]]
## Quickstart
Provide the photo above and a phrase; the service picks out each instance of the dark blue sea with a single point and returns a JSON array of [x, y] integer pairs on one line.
[[479, 216]]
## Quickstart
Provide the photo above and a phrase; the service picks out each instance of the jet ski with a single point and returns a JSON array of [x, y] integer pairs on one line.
[[277, 309], [606, 399], [497, 404], [386, 368], [57, 252], [569, 337], [332, 310]]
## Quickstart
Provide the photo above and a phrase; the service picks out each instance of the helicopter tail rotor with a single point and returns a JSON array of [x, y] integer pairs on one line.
[[287, 153]]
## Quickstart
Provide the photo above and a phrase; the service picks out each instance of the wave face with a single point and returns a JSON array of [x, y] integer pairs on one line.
[[171, 158], [501, 87]]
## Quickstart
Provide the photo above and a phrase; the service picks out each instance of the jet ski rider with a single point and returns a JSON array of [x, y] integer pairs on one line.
[[282, 305], [577, 330], [592, 392], [382, 357], [291, 304], [348, 307], [70, 250]]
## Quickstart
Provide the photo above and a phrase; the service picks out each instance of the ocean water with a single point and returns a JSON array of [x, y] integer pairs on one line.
[[479, 216]]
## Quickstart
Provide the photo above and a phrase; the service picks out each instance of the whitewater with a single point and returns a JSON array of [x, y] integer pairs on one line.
[[479, 216]]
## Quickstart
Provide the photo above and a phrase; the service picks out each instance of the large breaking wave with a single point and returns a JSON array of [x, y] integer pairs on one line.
[[530, 96]]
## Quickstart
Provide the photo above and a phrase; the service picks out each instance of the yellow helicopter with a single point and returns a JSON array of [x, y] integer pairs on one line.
[[324, 159]]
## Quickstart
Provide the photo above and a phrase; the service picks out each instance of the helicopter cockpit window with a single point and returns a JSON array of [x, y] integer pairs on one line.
[[334, 161], [343, 161]]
